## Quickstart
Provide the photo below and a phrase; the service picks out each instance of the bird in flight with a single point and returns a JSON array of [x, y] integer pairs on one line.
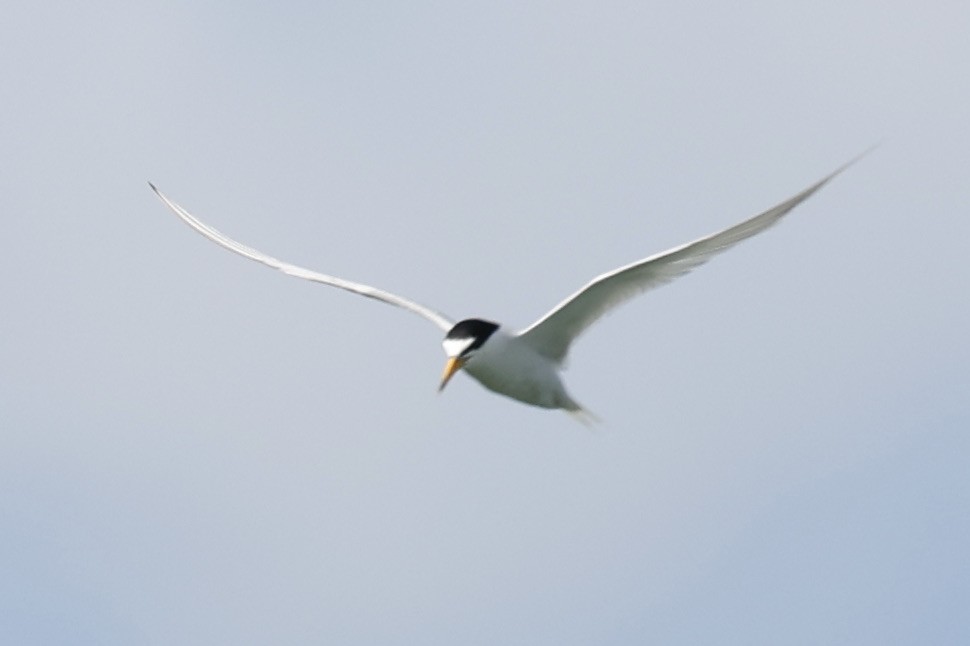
[[526, 365]]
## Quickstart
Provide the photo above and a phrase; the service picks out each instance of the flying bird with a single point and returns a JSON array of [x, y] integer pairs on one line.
[[526, 365]]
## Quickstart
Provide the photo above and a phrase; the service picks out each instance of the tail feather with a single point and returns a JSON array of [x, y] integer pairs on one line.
[[580, 414]]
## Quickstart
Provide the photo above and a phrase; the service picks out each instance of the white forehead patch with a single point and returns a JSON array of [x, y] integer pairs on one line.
[[454, 347]]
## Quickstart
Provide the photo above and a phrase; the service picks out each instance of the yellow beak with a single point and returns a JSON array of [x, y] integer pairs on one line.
[[453, 365]]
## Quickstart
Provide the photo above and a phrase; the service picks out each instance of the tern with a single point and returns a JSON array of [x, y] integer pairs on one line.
[[526, 365]]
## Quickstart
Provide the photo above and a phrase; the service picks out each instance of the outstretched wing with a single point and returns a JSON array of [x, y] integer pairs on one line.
[[221, 239], [552, 334]]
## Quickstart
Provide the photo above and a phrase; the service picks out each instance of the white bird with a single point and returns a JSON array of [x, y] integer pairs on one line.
[[526, 365]]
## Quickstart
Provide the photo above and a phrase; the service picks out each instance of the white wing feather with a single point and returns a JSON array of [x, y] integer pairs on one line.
[[221, 239], [552, 334]]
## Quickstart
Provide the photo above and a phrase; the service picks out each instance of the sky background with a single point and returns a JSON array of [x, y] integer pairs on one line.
[[195, 449]]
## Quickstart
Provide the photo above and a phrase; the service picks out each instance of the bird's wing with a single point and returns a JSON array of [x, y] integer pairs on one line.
[[219, 238], [552, 334]]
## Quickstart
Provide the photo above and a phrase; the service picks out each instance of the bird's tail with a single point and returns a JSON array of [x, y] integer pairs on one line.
[[581, 415]]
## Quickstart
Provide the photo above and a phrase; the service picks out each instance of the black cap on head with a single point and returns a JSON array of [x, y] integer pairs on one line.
[[477, 330]]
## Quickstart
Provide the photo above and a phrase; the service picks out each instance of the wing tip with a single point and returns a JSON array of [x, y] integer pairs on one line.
[[852, 162]]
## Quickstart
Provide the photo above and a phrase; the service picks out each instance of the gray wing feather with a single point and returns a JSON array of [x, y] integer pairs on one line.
[[223, 240], [552, 334]]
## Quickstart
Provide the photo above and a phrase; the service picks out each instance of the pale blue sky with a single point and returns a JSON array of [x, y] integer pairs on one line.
[[198, 450]]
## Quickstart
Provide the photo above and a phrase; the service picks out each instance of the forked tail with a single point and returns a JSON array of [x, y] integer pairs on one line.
[[580, 414]]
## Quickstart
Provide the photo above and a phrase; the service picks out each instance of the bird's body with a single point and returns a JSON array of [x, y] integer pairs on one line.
[[526, 365], [510, 366]]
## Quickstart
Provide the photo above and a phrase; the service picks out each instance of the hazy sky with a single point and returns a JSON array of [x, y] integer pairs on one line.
[[198, 450]]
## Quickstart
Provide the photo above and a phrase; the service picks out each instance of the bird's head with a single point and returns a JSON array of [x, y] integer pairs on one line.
[[462, 342]]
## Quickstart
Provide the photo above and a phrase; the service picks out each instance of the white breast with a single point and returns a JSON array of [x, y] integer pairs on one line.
[[506, 365]]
